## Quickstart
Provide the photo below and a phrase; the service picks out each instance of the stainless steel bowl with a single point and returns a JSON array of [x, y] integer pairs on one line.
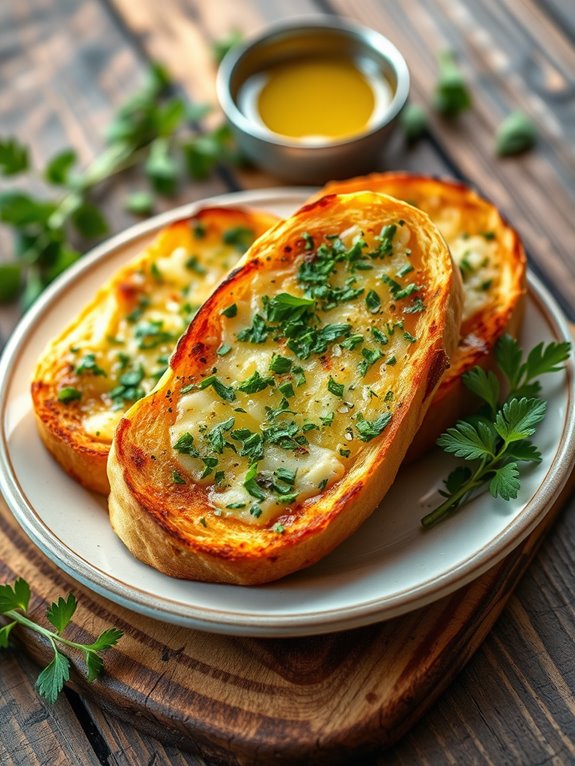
[[291, 159]]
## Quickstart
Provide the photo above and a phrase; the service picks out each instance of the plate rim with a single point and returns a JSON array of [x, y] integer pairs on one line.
[[257, 624]]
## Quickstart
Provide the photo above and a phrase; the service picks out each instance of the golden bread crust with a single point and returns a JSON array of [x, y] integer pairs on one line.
[[173, 526]]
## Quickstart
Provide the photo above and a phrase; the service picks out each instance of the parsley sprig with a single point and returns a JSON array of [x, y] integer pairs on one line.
[[497, 439], [14, 601]]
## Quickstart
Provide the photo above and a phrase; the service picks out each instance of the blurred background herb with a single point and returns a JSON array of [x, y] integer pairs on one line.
[[155, 130]]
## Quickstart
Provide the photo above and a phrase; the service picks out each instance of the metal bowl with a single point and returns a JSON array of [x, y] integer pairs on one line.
[[296, 160]]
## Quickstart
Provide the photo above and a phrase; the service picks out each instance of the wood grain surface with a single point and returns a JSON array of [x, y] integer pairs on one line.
[[65, 66]]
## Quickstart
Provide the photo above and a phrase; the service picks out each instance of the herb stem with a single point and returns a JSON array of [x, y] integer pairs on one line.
[[49, 634]]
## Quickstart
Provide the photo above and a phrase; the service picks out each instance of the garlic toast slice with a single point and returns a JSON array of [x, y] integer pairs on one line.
[[491, 259], [293, 396], [116, 350]]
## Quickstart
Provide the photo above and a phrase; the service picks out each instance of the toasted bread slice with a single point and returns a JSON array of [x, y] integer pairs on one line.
[[492, 262], [117, 348], [333, 334]]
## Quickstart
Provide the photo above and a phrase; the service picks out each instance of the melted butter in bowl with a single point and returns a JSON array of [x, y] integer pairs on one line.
[[317, 99], [313, 101]]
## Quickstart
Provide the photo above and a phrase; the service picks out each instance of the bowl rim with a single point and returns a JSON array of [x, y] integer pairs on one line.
[[368, 37]]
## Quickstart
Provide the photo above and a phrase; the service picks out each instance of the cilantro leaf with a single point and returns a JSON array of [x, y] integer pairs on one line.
[[505, 482], [518, 417], [524, 451], [61, 612], [15, 596], [51, 680], [105, 640], [483, 384], [469, 440], [543, 359]]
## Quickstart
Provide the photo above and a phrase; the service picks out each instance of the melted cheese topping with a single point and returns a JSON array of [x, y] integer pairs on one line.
[[280, 418], [119, 354]]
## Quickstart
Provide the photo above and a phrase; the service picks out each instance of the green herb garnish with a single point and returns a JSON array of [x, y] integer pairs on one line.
[[497, 439], [14, 601]]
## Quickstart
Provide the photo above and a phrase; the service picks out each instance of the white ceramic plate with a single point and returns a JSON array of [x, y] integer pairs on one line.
[[390, 566]]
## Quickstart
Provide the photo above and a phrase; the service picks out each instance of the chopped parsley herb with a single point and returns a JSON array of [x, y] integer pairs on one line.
[[223, 349], [488, 235], [279, 528], [370, 357], [280, 364], [219, 477], [236, 506], [284, 474], [210, 463], [151, 334], [287, 390], [373, 302], [198, 229], [193, 264], [136, 314], [177, 478], [465, 266], [379, 336], [327, 420], [388, 396], [128, 388], [404, 270], [298, 376], [224, 392], [335, 388], [255, 383], [344, 452], [322, 485], [256, 511], [185, 445], [408, 336], [285, 434], [216, 436], [486, 285], [240, 237], [69, 394], [368, 430], [392, 360], [203, 521], [257, 333], [351, 342], [316, 341], [397, 291], [88, 364], [416, 307], [252, 443], [250, 483], [155, 272], [284, 307], [308, 239], [230, 311], [385, 240]]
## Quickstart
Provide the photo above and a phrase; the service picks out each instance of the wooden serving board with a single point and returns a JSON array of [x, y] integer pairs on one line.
[[255, 701]]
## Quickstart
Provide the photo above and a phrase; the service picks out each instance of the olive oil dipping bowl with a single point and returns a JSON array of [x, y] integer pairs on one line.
[[313, 101]]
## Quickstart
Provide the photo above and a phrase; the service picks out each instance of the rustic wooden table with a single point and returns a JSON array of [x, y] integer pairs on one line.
[[67, 65]]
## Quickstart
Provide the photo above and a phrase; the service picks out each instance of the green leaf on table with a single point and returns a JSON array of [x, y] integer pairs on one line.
[[471, 441], [139, 203], [19, 209], [543, 359], [106, 640], [516, 134], [10, 281], [58, 169], [13, 157], [225, 44], [170, 116], [413, 120], [15, 596], [89, 221], [505, 482], [517, 419], [51, 680], [452, 95], [61, 612], [94, 665], [161, 168]]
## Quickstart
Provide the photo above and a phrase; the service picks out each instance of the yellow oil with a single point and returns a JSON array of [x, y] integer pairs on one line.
[[327, 98]]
